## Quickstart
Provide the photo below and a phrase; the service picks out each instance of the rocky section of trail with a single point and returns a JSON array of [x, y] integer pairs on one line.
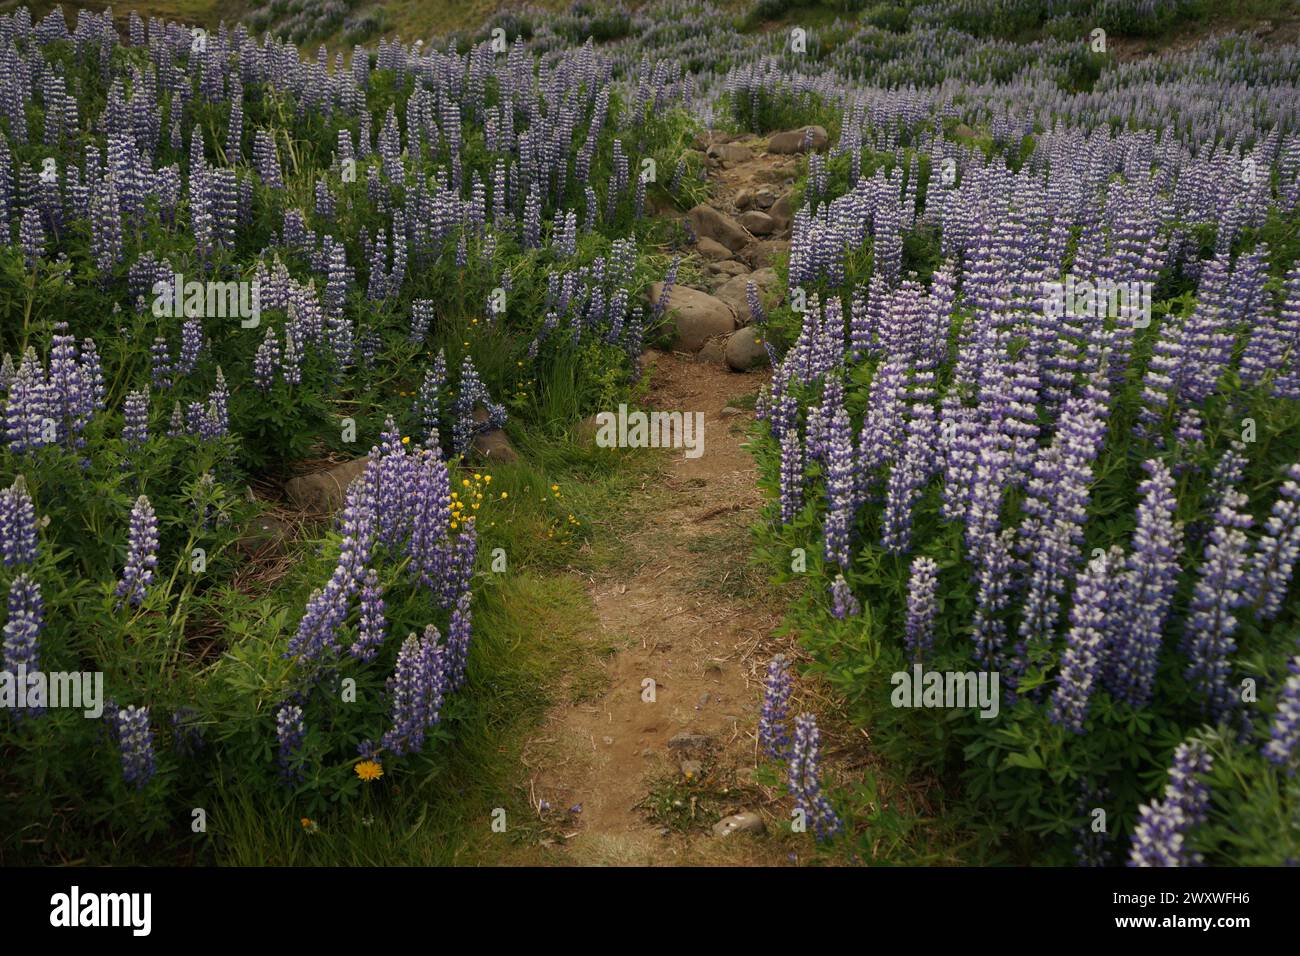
[[738, 234]]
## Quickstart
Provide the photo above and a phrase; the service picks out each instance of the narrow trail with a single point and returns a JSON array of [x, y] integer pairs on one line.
[[668, 611], [643, 770]]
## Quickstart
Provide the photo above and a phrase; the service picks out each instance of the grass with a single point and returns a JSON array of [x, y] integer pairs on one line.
[[536, 644]]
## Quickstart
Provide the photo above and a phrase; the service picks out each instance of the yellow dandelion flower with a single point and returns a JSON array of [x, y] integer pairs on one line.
[[369, 770], [453, 526], [406, 439], [505, 494], [555, 487], [465, 482], [488, 479]]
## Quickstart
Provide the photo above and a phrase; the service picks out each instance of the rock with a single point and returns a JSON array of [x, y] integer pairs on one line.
[[692, 769], [743, 199], [697, 315], [729, 411], [735, 292], [729, 268], [759, 223], [792, 141], [707, 222], [745, 350], [493, 445], [764, 197], [713, 351], [264, 533], [782, 213], [739, 823], [711, 249], [730, 153], [690, 742], [764, 253], [323, 491], [711, 136]]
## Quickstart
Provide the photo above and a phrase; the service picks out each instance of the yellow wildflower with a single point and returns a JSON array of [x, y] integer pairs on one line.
[[369, 770]]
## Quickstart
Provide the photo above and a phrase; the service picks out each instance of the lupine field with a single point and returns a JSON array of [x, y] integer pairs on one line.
[[302, 315]]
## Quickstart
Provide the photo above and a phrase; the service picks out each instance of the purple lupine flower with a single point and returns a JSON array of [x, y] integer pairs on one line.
[[176, 427], [921, 607], [841, 488], [291, 361], [22, 632], [1211, 623], [17, 525], [458, 636], [415, 692], [843, 603], [907, 479], [421, 318], [1146, 591], [773, 730], [791, 475], [265, 362], [1056, 508], [161, 375], [135, 739], [28, 409], [135, 409], [31, 236], [1085, 644], [1278, 548], [372, 629], [670, 279], [92, 374], [428, 400], [327, 607], [141, 555], [1160, 836], [191, 345], [805, 779], [1284, 735], [290, 731], [219, 406]]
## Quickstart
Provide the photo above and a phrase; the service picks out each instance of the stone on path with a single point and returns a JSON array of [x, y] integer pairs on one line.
[[708, 223], [711, 249], [745, 350], [492, 445], [757, 222], [697, 315], [766, 252], [793, 141], [745, 822], [735, 292], [322, 491], [729, 267], [730, 153]]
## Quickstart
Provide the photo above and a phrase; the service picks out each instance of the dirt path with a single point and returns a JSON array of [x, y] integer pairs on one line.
[[640, 774], [682, 611]]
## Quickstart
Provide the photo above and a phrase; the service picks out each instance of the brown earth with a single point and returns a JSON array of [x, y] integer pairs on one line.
[[686, 612]]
